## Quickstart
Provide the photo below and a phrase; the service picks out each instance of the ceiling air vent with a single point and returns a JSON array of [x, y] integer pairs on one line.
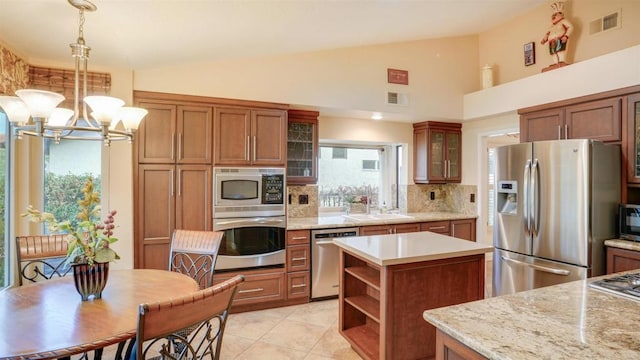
[[396, 98], [607, 22]]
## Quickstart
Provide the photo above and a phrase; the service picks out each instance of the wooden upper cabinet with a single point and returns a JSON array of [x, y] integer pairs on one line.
[[175, 134], [194, 135], [249, 137], [597, 119], [437, 152], [542, 125], [269, 137], [156, 134], [302, 147], [232, 132]]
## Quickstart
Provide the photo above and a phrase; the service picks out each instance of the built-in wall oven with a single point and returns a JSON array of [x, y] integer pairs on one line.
[[248, 205]]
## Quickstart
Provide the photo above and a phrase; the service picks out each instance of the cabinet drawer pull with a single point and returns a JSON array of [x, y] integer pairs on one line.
[[250, 291], [299, 259], [437, 227], [299, 238], [298, 286]]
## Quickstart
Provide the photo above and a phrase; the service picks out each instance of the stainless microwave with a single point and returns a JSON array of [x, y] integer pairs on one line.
[[246, 192], [629, 222]]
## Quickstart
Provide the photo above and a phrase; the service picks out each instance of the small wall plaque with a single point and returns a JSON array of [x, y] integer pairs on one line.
[[395, 76]]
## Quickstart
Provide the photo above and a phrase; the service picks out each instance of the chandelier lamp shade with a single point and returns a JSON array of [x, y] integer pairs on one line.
[[35, 113]]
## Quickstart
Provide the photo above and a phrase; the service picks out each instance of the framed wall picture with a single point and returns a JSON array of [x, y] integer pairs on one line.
[[529, 53], [395, 76]]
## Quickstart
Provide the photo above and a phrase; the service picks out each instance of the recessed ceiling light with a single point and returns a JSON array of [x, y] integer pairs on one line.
[[376, 116]]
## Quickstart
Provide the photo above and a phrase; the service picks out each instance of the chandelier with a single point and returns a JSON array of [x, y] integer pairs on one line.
[[34, 112]]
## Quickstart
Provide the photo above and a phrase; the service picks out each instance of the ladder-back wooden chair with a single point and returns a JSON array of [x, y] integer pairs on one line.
[[194, 253], [42, 257], [208, 310]]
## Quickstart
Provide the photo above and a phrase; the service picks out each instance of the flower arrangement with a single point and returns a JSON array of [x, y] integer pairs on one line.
[[89, 240]]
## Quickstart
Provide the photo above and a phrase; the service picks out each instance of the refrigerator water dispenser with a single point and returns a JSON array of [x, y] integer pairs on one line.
[[508, 197]]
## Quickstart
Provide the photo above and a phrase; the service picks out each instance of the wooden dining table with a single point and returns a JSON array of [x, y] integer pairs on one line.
[[48, 319]]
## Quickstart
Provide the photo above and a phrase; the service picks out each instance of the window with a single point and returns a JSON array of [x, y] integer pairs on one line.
[[370, 165], [4, 200], [339, 153], [67, 166], [347, 173]]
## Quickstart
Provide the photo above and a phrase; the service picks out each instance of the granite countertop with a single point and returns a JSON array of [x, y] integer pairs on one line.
[[339, 221], [566, 321], [409, 247], [623, 244]]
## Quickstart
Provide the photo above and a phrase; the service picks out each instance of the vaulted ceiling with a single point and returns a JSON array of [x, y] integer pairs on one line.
[[148, 33]]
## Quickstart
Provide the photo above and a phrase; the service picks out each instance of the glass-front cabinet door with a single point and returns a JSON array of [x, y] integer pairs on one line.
[[302, 147], [633, 156], [437, 156], [453, 172]]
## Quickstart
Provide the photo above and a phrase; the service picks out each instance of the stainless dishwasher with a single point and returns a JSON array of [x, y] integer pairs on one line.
[[325, 263]]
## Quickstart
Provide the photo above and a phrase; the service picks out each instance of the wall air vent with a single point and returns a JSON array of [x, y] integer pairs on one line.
[[605, 23], [396, 98]]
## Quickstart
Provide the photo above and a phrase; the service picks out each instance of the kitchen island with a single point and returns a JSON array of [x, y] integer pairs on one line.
[[566, 321], [387, 281]]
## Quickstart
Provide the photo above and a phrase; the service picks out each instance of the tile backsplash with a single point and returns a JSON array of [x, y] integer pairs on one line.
[[297, 210], [446, 198]]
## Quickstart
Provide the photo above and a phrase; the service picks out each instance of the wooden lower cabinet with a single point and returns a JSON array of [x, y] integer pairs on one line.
[[448, 348], [622, 260], [298, 285], [298, 265], [440, 227], [462, 229], [261, 286], [388, 229], [381, 307]]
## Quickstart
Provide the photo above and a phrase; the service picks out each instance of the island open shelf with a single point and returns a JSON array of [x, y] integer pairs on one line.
[[382, 300]]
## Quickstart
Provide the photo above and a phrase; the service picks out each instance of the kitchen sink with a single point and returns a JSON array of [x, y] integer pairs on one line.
[[375, 217]]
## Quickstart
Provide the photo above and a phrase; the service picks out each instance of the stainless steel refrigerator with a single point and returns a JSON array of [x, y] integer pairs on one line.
[[556, 203]]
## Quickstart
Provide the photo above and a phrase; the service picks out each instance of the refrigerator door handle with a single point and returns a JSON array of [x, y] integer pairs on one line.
[[525, 199], [538, 267], [535, 195]]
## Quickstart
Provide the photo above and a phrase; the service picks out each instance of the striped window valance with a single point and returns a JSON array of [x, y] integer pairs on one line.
[[62, 81]]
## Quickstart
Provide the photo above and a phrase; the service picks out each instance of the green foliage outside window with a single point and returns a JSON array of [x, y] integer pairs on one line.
[[62, 192]]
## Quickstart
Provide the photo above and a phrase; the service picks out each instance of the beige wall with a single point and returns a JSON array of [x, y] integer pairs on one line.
[[502, 46], [440, 72]]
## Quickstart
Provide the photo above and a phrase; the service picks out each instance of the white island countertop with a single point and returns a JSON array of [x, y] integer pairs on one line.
[[406, 248]]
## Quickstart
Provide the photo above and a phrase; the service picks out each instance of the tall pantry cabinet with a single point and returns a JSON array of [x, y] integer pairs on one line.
[[174, 151], [176, 147]]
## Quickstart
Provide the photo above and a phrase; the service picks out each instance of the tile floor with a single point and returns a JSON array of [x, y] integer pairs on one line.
[[307, 331]]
